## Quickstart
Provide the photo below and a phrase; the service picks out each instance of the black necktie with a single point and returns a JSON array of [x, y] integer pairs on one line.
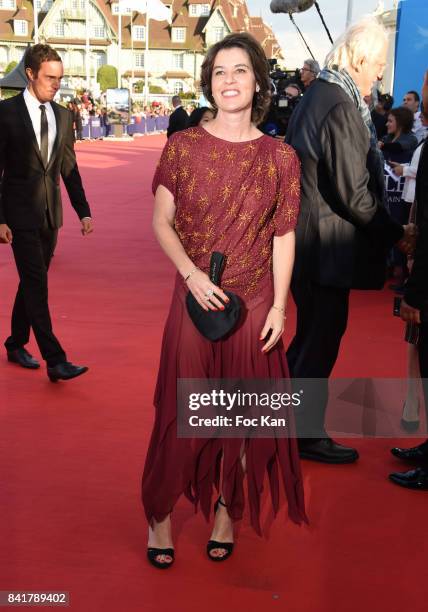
[[44, 134]]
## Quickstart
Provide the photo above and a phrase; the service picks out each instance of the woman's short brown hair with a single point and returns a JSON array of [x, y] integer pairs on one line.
[[259, 63], [404, 118]]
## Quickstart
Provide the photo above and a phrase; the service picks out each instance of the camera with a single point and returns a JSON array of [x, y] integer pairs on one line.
[[286, 88]]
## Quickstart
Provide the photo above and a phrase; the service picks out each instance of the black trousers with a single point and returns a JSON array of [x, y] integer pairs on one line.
[[33, 250], [423, 357], [322, 317]]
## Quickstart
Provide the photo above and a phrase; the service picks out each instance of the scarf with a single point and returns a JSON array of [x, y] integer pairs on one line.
[[341, 77]]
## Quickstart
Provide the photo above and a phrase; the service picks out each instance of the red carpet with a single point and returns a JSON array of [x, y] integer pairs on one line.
[[71, 454]]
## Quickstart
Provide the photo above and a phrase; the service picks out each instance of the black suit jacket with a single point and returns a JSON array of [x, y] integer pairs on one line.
[[416, 293], [178, 120], [344, 231], [28, 188]]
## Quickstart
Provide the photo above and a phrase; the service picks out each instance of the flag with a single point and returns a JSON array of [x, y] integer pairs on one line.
[[155, 9]]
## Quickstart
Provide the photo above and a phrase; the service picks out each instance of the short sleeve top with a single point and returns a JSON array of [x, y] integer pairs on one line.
[[232, 197]]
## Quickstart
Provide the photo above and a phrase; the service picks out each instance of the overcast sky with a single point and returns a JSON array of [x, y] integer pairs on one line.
[[334, 12]]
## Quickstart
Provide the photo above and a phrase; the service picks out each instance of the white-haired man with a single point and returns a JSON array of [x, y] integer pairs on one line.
[[344, 232]]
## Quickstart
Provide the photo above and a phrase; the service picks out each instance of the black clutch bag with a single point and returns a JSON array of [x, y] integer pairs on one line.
[[215, 324]]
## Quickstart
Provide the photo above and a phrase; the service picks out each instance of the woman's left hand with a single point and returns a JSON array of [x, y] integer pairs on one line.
[[275, 324]]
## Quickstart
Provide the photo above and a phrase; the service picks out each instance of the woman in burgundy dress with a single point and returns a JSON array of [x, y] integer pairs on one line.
[[223, 187]]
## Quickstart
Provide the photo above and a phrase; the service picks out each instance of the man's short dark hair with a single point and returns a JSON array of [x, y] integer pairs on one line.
[[37, 54], [415, 94]]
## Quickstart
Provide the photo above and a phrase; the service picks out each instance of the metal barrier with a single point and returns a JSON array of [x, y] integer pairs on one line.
[[138, 125]]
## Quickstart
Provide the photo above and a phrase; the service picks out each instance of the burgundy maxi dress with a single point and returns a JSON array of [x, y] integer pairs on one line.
[[232, 197]]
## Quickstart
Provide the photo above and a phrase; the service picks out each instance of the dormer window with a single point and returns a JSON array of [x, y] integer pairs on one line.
[[199, 10], [178, 35], [8, 5], [20, 27]]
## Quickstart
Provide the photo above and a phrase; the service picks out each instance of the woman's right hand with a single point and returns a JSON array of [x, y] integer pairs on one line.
[[205, 292], [397, 168]]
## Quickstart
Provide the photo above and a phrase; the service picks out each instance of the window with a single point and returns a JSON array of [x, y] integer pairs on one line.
[[115, 9], [198, 10], [8, 4], [43, 6], [20, 27], [178, 87], [59, 29], [139, 32], [100, 58], [178, 34], [78, 5], [98, 31], [76, 29], [139, 60], [218, 34], [62, 54], [77, 59], [178, 61]]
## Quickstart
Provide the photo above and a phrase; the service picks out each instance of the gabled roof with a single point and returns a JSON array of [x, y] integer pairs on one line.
[[234, 12]]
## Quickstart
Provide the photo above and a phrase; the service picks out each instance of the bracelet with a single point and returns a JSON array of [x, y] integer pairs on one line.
[[192, 271], [280, 309]]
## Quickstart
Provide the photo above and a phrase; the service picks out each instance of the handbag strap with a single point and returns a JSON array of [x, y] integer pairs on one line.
[[216, 267]]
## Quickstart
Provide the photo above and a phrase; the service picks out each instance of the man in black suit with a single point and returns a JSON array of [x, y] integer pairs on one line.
[[36, 148], [179, 119], [344, 232], [414, 308]]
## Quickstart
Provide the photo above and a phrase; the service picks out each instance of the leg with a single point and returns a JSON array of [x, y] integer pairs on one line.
[[223, 526], [20, 325], [411, 404], [322, 316], [33, 251], [423, 359]]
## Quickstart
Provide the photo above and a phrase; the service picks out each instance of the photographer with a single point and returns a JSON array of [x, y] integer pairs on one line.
[[286, 94]]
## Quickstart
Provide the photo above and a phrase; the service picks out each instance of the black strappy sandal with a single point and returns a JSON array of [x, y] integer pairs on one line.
[[212, 544], [152, 553]]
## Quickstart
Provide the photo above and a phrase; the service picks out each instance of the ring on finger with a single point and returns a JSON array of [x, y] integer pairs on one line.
[[209, 293]]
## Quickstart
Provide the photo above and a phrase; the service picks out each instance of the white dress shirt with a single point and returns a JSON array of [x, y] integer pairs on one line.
[[419, 130], [410, 171], [33, 107]]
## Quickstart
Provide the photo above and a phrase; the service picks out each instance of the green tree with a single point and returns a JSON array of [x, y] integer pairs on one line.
[[10, 67], [107, 77], [188, 95], [156, 89], [9, 93]]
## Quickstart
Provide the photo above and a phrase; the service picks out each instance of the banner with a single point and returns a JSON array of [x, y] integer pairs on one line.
[[411, 52]]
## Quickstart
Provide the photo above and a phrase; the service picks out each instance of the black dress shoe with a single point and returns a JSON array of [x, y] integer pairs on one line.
[[416, 453], [65, 371], [326, 450], [23, 358], [415, 479]]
